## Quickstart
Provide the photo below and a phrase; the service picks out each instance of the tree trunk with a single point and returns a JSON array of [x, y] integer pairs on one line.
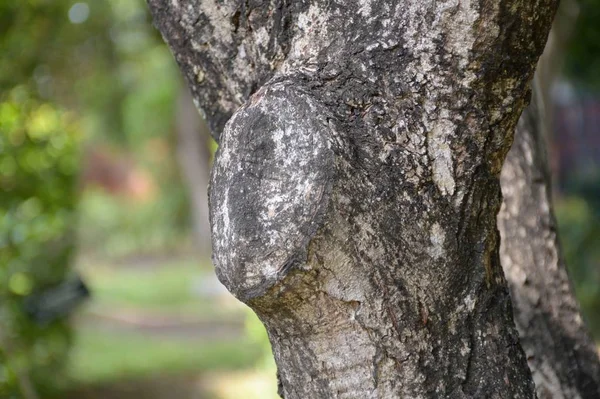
[[193, 155], [355, 192], [560, 352]]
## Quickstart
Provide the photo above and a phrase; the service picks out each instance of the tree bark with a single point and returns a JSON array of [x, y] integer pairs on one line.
[[355, 191], [560, 352]]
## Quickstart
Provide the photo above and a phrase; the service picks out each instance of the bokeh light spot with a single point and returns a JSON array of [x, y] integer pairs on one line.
[[79, 13], [20, 284]]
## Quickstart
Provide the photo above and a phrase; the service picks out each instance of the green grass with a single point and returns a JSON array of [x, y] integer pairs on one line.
[[165, 286], [102, 354], [105, 356], [168, 287]]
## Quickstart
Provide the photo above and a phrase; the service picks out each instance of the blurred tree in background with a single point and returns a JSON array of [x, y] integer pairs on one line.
[[578, 197], [126, 85]]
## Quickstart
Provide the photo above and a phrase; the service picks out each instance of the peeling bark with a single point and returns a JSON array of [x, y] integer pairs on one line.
[[355, 191], [560, 352]]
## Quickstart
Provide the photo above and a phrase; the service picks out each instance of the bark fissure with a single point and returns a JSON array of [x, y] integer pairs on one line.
[[389, 121]]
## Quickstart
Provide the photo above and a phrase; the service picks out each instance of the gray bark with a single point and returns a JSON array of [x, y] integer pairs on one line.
[[560, 352], [193, 155], [355, 191]]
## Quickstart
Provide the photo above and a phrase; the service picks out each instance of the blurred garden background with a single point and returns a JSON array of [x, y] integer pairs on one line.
[[103, 171]]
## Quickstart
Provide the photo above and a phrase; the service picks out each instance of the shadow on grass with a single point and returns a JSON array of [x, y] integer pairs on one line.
[[154, 387]]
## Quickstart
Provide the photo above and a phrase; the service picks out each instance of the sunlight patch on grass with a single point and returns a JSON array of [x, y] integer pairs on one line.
[[242, 384]]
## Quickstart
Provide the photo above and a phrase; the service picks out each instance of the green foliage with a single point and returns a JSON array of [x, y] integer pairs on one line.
[[113, 226], [32, 33], [38, 163], [583, 53], [111, 67], [578, 217], [126, 90], [580, 230]]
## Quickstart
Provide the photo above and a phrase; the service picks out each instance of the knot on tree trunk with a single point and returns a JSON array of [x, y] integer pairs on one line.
[[269, 187]]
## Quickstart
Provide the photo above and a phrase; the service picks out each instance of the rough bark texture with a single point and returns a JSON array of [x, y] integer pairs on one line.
[[355, 192], [561, 354]]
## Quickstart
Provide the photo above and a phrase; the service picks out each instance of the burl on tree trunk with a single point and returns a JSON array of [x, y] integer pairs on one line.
[[355, 191]]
